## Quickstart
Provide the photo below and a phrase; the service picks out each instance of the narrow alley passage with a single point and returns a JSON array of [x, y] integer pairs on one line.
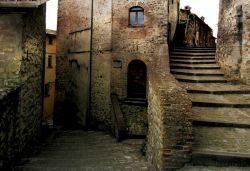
[[86, 151]]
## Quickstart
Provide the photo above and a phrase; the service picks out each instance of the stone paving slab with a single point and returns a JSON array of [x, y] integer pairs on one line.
[[90, 151]]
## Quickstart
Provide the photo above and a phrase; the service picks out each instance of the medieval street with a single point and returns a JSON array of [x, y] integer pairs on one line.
[[124, 85]]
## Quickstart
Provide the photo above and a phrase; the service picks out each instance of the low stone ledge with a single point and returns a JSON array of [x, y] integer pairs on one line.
[[9, 97], [170, 124]]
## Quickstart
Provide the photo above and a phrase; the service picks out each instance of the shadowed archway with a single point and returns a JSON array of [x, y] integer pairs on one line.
[[137, 78]]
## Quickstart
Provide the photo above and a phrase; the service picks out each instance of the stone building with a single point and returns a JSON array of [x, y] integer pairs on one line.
[[50, 77], [192, 31], [233, 39], [22, 35], [120, 48]]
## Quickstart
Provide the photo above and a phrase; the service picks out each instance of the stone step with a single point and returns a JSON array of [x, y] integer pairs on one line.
[[192, 53], [227, 117], [216, 88], [197, 72], [200, 79], [214, 158], [195, 50], [193, 57], [212, 100], [187, 61], [221, 144], [195, 66], [222, 139], [191, 167]]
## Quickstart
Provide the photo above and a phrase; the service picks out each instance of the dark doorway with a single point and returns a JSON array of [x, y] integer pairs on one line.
[[137, 78]]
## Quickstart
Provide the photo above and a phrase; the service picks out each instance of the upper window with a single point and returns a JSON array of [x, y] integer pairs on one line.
[[46, 90], [50, 39], [136, 16], [50, 61]]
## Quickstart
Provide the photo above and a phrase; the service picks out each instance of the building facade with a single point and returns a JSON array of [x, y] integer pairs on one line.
[[22, 35], [50, 77], [192, 31], [121, 47], [233, 39]]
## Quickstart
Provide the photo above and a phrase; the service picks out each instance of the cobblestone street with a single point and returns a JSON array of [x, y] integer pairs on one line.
[[86, 151]]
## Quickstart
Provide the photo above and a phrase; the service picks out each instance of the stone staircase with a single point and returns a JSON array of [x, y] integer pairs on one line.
[[78, 150], [221, 110]]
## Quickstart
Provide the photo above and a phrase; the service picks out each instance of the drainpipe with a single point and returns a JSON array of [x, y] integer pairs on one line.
[[43, 60], [89, 117]]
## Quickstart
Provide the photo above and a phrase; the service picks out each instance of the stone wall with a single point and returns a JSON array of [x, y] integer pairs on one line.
[[73, 62], [233, 39], [9, 110], [27, 61], [173, 7], [169, 144], [136, 118]]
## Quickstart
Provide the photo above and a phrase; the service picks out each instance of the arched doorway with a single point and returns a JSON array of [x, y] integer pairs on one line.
[[137, 78]]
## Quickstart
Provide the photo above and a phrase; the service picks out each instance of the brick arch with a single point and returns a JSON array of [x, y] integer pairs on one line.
[[140, 4], [137, 79]]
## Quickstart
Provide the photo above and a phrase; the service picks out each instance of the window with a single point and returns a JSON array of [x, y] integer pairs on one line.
[[49, 61], [46, 90], [136, 16], [50, 38]]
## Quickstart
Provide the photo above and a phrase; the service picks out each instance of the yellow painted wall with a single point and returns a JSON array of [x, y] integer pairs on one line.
[[50, 77]]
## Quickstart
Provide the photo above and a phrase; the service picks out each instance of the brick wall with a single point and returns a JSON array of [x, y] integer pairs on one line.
[[233, 39]]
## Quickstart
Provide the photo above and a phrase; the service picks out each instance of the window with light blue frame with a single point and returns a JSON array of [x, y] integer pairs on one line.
[[136, 16]]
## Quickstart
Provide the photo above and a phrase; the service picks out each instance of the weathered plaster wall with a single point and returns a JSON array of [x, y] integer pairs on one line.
[[10, 47], [73, 61], [233, 39]]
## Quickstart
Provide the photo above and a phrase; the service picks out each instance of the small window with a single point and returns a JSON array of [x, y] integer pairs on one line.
[[46, 90], [50, 38], [50, 61], [136, 16]]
